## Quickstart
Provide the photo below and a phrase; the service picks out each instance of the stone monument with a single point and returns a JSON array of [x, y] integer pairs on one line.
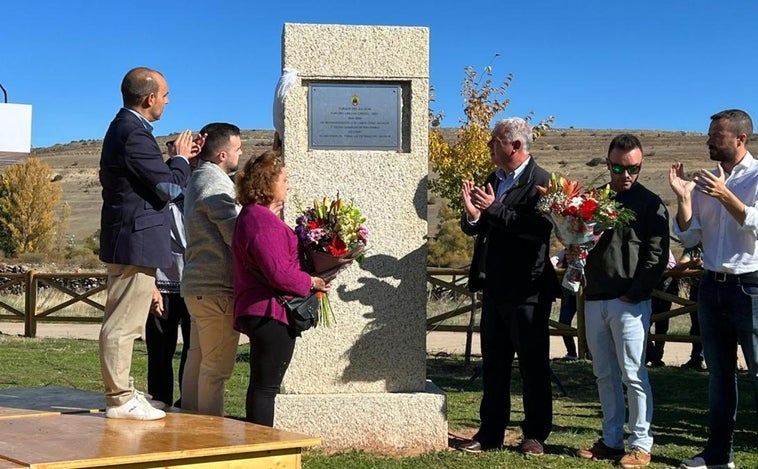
[[356, 122]]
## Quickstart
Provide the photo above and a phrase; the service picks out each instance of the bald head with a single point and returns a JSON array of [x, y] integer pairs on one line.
[[145, 91], [138, 84]]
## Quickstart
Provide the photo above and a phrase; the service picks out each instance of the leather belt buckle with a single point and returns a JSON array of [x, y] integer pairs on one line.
[[720, 276]]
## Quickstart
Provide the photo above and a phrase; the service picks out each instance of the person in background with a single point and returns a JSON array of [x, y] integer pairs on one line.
[[168, 312], [668, 284], [621, 272], [266, 263], [568, 307], [719, 209], [692, 258], [135, 229], [511, 264], [207, 286]]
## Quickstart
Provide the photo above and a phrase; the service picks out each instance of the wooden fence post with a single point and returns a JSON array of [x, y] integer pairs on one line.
[[30, 307]]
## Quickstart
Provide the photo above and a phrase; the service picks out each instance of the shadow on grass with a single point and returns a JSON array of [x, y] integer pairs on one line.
[[680, 399]]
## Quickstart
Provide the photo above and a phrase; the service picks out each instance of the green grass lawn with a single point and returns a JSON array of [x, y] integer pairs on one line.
[[679, 423]]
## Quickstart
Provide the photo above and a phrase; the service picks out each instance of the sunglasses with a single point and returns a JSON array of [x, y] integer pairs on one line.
[[620, 168]]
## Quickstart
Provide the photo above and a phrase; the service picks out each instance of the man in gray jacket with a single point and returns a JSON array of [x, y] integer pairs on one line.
[[210, 215], [621, 272]]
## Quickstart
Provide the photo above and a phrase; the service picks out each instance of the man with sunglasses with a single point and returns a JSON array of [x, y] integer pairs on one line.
[[719, 208], [622, 270]]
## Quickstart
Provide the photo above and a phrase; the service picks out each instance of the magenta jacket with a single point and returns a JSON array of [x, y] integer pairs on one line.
[[262, 241]]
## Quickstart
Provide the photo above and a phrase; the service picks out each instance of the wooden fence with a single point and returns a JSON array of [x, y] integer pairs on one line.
[[453, 280], [33, 283]]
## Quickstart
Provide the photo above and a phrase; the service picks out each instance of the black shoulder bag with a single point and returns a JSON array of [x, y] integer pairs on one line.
[[302, 311]]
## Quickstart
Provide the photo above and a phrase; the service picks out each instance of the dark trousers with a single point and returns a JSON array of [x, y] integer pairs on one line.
[[566, 316], [507, 330], [697, 348], [271, 347], [654, 349], [161, 336]]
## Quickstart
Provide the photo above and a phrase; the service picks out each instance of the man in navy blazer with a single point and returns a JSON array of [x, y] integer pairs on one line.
[[135, 230], [511, 264]]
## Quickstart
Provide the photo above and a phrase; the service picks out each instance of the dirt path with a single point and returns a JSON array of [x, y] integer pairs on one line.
[[448, 342]]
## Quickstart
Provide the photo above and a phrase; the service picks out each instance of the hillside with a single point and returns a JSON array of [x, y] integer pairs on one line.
[[565, 151]]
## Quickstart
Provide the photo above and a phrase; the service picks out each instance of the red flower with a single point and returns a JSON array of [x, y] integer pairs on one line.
[[570, 211], [312, 225], [587, 209], [337, 247]]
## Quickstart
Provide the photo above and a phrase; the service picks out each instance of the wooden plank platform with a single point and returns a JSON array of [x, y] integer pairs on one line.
[[60, 429]]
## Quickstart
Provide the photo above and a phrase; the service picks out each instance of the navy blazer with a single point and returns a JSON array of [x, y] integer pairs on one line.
[[512, 252], [137, 185]]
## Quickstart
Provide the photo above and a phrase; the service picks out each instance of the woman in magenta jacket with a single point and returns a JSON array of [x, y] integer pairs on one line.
[[264, 247]]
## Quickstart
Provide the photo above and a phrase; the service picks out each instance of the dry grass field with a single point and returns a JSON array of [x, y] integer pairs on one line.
[[565, 151]]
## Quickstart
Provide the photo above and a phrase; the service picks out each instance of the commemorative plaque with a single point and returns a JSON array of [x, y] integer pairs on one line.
[[354, 116]]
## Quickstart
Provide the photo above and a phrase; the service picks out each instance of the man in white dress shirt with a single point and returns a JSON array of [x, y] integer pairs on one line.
[[720, 209]]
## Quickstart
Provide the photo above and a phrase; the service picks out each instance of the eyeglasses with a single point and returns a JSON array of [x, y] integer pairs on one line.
[[497, 138], [620, 168]]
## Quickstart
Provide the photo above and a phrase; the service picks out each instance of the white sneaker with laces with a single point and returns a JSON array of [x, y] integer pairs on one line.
[[699, 463], [157, 404], [160, 405], [136, 408]]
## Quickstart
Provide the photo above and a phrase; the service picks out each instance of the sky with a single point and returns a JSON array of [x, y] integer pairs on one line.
[[646, 65]]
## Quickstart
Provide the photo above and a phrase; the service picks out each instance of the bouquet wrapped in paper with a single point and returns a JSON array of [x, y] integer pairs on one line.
[[579, 218], [333, 236]]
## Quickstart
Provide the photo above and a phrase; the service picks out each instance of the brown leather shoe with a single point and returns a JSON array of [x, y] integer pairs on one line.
[[600, 451], [531, 447], [636, 457]]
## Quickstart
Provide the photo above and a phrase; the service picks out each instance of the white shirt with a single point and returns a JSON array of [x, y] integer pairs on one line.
[[727, 246]]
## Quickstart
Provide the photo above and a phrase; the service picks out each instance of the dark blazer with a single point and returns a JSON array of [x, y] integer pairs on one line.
[[512, 252], [137, 186]]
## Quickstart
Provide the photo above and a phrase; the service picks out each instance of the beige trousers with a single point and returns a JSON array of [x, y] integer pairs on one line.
[[212, 353], [129, 292]]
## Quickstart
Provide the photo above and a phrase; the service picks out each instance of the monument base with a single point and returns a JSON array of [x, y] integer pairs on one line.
[[381, 422]]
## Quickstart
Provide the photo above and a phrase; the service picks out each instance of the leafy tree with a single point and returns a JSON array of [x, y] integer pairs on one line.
[[27, 207], [468, 158]]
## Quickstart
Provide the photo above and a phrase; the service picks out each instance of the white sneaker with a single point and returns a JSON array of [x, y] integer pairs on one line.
[[699, 463], [136, 408], [160, 405]]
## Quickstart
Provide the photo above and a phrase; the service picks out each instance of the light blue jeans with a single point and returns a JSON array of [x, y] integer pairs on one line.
[[616, 336]]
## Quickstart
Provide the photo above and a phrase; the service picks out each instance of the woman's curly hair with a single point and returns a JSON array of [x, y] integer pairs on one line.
[[255, 183]]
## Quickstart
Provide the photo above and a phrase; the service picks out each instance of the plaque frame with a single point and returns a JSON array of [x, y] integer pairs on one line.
[[355, 116]]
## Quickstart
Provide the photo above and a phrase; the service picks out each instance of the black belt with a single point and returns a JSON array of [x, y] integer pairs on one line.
[[723, 277]]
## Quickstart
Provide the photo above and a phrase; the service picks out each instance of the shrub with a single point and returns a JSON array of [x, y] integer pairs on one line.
[[451, 247], [92, 243]]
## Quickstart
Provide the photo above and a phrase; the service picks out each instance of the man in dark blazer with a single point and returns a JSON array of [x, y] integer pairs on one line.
[[511, 264], [134, 230]]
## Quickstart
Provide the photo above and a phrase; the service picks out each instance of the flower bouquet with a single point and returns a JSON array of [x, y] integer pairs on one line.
[[579, 218], [333, 236]]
